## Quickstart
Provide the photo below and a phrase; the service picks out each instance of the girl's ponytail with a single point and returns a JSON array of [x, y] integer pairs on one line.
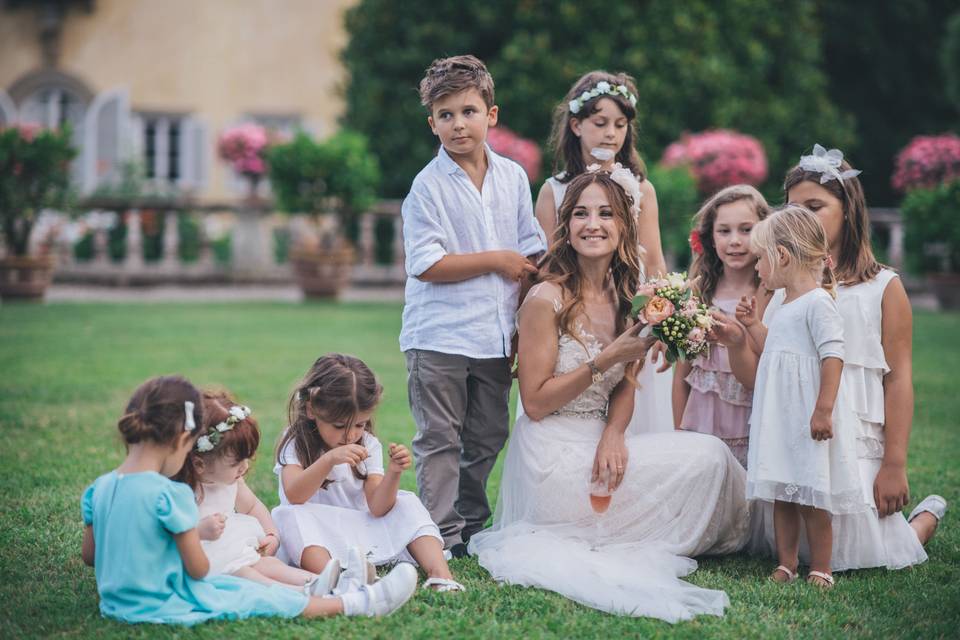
[[829, 280]]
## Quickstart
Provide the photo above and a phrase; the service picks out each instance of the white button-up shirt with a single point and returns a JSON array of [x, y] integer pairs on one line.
[[445, 214]]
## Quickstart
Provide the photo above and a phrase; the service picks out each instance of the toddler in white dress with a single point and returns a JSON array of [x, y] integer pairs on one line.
[[236, 531], [802, 438], [334, 491]]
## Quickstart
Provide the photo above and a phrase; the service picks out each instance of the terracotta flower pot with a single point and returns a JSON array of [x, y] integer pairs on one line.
[[25, 277], [322, 273]]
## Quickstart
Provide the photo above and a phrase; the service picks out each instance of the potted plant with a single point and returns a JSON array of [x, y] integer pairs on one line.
[[332, 181], [928, 171], [244, 148], [34, 175]]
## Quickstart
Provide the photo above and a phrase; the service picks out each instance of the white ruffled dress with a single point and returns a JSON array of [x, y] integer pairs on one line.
[[337, 518], [785, 463], [862, 540]]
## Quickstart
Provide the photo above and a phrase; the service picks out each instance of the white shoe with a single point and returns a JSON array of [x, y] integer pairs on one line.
[[357, 573], [325, 581], [391, 591], [934, 504]]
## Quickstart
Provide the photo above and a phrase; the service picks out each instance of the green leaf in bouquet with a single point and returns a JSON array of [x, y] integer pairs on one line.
[[639, 302], [671, 354]]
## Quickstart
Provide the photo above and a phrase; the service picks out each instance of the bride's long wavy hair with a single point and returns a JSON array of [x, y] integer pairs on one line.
[[560, 264]]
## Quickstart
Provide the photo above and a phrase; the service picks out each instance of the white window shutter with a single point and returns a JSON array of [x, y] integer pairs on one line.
[[195, 155], [8, 110], [105, 138]]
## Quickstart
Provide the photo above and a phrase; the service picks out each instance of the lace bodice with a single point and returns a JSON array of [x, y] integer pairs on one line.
[[593, 402], [572, 353]]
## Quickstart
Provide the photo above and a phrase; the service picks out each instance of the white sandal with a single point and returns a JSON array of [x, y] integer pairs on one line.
[[826, 577], [791, 575], [932, 504], [443, 585]]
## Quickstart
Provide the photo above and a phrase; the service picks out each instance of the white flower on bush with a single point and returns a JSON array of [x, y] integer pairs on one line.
[[204, 444]]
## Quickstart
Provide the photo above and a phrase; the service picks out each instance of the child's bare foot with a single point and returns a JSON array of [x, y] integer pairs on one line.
[[820, 579], [783, 574]]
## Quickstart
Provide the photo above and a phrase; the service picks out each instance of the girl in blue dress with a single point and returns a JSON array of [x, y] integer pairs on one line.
[[140, 532]]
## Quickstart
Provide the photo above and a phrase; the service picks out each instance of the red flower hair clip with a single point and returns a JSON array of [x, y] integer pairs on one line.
[[695, 243]]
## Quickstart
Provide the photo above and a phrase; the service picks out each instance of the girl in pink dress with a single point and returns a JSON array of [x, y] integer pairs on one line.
[[706, 396]]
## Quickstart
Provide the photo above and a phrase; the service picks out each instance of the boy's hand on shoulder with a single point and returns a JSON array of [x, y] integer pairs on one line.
[[400, 459], [513, 266], [211, 527]]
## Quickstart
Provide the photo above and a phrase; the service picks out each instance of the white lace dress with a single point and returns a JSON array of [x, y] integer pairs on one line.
[[785, 462], [682, 495], [652, 407], [238, 546], [862, 540], [337, 518]]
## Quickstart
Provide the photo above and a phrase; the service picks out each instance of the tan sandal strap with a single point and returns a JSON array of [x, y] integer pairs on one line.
[[790, 574], [826, 577]]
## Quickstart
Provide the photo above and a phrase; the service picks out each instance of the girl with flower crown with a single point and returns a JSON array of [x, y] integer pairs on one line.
[[707, 397], [595, 125], [877, 371], [236, 530]]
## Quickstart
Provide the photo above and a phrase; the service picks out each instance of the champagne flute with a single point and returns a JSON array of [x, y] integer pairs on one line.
[[600, 496]]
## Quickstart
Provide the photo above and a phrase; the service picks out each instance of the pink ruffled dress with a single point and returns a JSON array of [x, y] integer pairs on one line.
[[718, 404]]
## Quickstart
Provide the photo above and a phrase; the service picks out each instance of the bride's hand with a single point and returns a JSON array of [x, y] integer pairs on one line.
[[629, 347], [611, 457]]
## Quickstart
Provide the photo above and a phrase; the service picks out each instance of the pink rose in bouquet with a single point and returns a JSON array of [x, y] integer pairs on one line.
[[657, 310], [719, 158]]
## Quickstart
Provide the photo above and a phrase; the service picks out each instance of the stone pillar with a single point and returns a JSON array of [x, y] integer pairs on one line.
[[171, 241], [250, 249], [134, 257]]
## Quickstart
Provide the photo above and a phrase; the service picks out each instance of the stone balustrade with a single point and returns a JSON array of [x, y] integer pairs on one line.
[[253, 256], [253, 259]]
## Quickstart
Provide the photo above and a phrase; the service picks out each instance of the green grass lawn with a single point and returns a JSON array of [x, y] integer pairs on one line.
[[67, 371]]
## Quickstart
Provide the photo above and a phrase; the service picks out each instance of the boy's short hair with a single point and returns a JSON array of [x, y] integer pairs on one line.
[[447, 76]]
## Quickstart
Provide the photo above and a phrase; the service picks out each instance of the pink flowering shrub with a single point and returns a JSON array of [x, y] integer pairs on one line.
[[719, 158], [524, 152], [243, 147], [927, 162]]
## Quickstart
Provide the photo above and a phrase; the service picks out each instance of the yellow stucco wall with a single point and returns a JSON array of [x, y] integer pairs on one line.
[[217, 59]]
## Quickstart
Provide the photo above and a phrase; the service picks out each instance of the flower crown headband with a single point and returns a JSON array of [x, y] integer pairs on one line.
[[827, 164], [209, 441], [602, 88]]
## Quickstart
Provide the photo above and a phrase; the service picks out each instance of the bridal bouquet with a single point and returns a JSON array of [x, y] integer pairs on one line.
[[674, 314]]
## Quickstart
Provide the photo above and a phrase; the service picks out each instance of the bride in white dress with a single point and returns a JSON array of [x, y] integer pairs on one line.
[[675, 494]]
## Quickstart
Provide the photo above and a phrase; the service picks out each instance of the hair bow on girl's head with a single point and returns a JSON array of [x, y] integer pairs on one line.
[[827, 164]]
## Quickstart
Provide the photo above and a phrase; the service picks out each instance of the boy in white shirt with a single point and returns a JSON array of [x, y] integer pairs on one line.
[[470, 238]]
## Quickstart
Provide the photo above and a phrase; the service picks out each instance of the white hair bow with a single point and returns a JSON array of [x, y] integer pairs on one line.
[[188, 424], [827, 164]]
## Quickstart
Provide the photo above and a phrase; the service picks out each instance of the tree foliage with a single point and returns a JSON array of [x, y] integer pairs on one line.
[[754, 67]]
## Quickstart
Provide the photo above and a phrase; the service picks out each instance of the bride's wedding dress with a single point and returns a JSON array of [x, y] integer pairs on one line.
[[682, 495]]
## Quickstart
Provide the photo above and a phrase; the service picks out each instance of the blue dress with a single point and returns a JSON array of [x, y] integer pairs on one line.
[[140, 575]]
